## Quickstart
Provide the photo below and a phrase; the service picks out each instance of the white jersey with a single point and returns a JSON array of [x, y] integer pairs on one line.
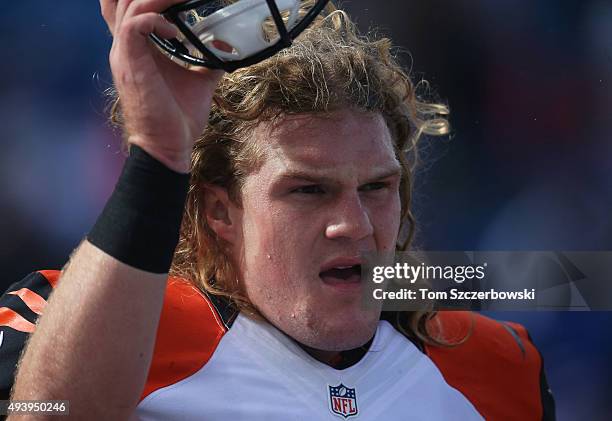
[[257, 373], [211, 363]]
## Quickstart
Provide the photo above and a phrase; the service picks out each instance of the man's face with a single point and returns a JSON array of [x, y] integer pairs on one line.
[[327, 191]]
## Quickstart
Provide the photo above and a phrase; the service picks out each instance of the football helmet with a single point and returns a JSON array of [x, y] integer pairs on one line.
[[228, 35]]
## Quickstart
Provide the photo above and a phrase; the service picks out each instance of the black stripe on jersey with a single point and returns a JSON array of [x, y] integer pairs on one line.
[[35, 282], [13, 341], [16, 304], [225, 309]]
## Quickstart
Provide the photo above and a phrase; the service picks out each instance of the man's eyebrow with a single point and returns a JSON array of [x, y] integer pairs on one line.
[[303, 175], [395, 171], [313, 177]]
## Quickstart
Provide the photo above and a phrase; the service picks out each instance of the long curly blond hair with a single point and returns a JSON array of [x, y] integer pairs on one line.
[[329, 67]]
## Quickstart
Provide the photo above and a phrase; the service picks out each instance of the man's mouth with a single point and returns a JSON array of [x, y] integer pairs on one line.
[[342, 275]]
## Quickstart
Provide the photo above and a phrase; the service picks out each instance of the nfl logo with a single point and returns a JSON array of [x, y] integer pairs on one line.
[[342, 401]]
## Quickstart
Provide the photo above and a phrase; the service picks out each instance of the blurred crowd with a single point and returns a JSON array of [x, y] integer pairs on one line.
[[528, 165]]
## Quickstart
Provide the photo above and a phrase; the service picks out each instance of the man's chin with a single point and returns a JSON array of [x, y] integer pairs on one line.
[[342, 334]]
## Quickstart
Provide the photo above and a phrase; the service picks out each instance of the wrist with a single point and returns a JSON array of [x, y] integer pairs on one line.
[[140, 223], [174, 158]]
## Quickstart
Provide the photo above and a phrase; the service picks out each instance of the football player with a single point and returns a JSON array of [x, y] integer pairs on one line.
[[258, 190]]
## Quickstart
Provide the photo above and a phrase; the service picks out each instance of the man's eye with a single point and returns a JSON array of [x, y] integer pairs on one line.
[[374, 186], [311, 189]]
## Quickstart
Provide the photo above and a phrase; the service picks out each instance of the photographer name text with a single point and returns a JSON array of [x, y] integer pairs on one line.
[[453, 294]]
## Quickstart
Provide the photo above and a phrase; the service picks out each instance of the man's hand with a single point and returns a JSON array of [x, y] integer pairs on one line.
[[165, 106]]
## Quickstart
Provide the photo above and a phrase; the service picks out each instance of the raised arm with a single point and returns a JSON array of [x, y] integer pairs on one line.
[[93, 345]]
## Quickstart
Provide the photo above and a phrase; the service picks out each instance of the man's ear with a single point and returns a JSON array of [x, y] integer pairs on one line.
[[219, 212]]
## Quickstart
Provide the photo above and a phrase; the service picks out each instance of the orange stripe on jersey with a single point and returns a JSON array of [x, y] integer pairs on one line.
[[499, 375], [188, 333], [14, 320], [52, 276], [35, 302]]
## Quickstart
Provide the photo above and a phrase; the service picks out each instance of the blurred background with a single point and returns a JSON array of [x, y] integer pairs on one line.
[[528, 165]]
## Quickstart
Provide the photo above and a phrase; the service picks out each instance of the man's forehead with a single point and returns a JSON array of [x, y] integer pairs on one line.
[[343, 120], [321, 140]]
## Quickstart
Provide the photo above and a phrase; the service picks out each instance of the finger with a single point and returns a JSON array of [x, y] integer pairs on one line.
[[108, 9], [214, 74], [137, 7], [128, 8], [122, 6], [142, 25]]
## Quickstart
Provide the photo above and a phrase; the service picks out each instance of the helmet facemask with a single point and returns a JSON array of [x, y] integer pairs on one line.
[[228, 35]]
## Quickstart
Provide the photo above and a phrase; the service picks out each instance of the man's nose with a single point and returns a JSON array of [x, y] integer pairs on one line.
[[350, 219]]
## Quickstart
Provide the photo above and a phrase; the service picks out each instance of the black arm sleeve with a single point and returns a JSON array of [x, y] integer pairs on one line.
[[548, 400], [17, 318], [546, 395]]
